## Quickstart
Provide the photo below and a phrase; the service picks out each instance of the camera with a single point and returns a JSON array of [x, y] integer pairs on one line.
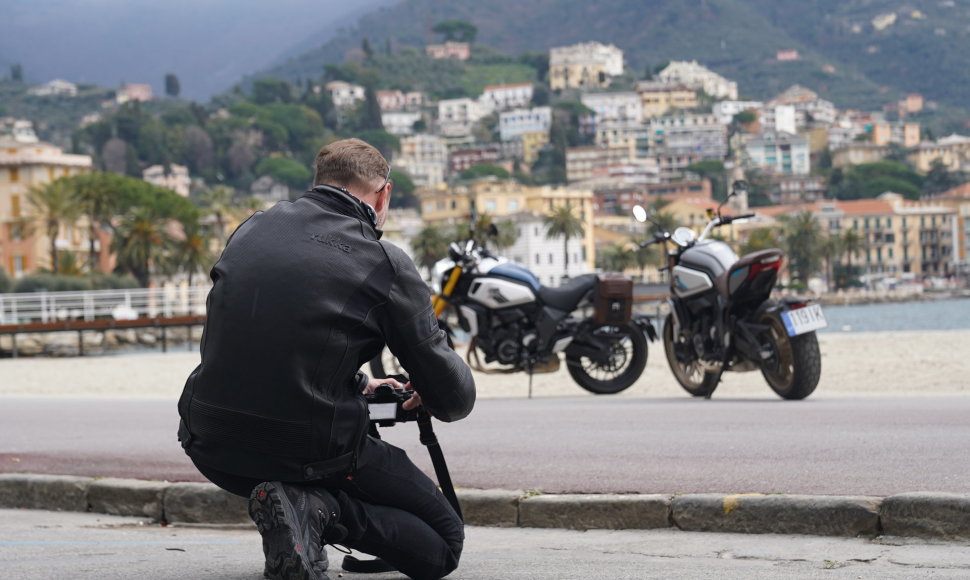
[[385, 405]]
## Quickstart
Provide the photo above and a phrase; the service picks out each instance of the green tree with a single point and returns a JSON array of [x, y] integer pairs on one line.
[[98, 198], [285, 170], [190, 251], [370, 113], [54, 204], [481, 170], [456, 30], [761, 239], [17, 72], [615, 258], [5, 282], [142, 240], [713, 171], [429, 246], [562, 222], [172, 86], [801, 237], [830, 250], [940, 179], [218, 202], [402, 194], [852, 244]]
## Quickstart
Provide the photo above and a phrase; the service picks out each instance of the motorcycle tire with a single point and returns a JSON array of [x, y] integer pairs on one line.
[[629, 358], [795, 365], [690, 376]]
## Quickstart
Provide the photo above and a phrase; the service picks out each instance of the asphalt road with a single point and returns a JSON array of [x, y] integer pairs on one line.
[[38, 545], [839, 446]]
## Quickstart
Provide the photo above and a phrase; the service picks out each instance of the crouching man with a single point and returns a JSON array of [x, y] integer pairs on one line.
[[303, 295]]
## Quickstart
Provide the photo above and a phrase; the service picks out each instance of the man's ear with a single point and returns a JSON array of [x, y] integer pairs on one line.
[[383, 198]]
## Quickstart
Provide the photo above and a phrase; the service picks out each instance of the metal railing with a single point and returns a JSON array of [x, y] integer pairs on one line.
[[128, 304]]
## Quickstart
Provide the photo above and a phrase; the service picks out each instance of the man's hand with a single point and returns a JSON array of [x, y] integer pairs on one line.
[[373, 384], [414, 401]]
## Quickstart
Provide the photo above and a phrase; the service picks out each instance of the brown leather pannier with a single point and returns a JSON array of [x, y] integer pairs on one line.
[[614, 299]]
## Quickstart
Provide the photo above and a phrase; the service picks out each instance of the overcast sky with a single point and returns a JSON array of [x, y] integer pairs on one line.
[[209, 44]]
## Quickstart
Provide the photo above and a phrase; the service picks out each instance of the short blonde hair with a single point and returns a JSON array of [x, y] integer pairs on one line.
[[349, 163]]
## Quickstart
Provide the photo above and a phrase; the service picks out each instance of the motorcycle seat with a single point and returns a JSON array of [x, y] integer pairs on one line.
[[725, 282], [567, 296]]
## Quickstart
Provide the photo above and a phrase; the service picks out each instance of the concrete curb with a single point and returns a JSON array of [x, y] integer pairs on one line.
[[923, 515]]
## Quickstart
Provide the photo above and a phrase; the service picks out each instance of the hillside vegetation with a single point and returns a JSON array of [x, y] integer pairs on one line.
[[857, 53]]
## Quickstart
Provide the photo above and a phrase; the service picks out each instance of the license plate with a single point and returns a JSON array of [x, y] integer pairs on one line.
[[804, 320]]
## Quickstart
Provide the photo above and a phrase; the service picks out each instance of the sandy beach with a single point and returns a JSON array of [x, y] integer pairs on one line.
[[904, 363]]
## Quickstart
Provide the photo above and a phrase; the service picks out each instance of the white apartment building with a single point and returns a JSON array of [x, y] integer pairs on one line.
[[699, 77], [618, 116], [584, 65], [809, 107], [55, 88], [503, 97], [344, 94], [726, 110], [424, 158], [20, 130], [174, 177], [543, 256], [779, 152], [690, 134], [517, 122], [400, 122], [456, 117]]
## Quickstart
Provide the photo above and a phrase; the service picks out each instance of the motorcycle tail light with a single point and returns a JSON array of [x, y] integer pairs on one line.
[[773, 263]]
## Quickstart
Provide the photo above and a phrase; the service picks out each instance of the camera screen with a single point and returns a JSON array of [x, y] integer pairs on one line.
[[382, 411]]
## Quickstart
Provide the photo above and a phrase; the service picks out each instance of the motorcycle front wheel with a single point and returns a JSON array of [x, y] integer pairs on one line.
[[627, 359], [686, 368], [795, 364]]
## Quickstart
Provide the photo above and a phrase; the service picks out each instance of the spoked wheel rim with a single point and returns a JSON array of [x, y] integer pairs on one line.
[[689, 373], [621, 357], [779, 368]]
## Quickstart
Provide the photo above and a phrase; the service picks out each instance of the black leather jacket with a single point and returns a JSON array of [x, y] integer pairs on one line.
[[302, 296]]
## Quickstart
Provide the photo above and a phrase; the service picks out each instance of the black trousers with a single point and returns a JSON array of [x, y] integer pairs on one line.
[[390, 508]]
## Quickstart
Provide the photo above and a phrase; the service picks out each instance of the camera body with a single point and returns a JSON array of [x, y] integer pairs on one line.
[[385, 405]]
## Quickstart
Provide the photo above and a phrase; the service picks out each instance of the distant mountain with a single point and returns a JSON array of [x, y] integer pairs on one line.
[[858, 53], [209, 45]]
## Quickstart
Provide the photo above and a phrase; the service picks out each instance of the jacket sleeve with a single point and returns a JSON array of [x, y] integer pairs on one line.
[[437, 372]]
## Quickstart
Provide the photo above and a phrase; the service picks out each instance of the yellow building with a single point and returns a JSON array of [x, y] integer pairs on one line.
[[532, 144], [658, 99], [24, 245], [900, 237], [584, 66], [953, 151], [455, 205]]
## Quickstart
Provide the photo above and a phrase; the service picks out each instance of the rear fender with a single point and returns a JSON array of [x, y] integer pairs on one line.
[[643, 323]]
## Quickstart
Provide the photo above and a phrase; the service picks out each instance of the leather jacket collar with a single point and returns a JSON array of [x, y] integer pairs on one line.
[[346, 204]]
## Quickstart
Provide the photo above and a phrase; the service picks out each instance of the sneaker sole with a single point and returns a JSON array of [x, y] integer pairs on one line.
[[271, 510]]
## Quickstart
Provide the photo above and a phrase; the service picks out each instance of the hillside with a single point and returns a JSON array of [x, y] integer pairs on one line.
[[845, 56]]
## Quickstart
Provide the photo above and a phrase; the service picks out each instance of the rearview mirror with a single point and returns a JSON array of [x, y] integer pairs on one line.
[[639, 213]]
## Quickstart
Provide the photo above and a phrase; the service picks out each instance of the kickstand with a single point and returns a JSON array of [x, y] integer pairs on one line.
[[528, 368]]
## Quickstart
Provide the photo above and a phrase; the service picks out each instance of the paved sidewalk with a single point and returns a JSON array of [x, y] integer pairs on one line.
[[38, 545]]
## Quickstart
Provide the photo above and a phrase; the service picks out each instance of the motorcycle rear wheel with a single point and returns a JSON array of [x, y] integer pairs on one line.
[[691, 376], [628, 358], [795, 365]]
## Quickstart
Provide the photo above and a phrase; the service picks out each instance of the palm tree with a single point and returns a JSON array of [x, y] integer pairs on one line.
[[760, 239], [615, 258], [141, 240], [100, 202], [643, 256], [429, 246], [852, 244], [191, 253], [54, 203], [831, 250], [218, 202], [562, 222], [801, 235]]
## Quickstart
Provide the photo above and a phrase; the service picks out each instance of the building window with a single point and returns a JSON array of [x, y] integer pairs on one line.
[[538, 261], [513, 205], [550, 257], [15, 206], [14, 174], [19, 266], [490, 205]]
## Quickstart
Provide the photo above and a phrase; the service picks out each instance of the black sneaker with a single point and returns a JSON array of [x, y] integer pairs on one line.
[[291, 519]]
